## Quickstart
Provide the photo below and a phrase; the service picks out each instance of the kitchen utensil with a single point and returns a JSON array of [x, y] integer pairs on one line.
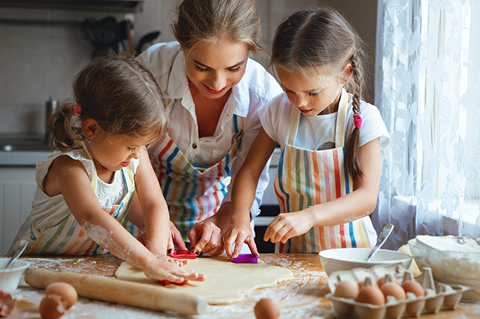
[[246, 259], [120, 291], [105, 34], [20, 249], [9, 278], [146, 39], [386, 231], [350, 258], [182, 254]]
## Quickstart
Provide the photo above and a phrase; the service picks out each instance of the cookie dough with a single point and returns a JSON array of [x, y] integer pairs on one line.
[[225, 279]]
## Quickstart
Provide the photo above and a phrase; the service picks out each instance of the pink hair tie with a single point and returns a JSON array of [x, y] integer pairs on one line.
[[77, 109], [357, 119]]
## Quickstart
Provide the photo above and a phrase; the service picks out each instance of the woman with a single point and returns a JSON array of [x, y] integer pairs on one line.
[[215, 93]]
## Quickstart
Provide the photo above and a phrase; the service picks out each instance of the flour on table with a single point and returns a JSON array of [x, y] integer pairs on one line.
[[225, 279]]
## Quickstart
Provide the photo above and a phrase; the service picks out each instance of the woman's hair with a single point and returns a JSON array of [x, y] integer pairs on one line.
[[310, 39], [205, 21], [116, 91]]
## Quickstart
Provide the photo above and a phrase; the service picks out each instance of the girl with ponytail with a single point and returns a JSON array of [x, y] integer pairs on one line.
[[329, 171]]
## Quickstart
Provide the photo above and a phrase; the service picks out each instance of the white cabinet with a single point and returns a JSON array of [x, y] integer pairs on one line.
[[17, 191]]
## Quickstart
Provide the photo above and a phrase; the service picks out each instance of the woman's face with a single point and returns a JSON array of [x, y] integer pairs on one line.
[[214, 68], [312, 93]]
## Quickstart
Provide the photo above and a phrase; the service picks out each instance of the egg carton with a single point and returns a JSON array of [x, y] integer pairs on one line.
[[438, 296]]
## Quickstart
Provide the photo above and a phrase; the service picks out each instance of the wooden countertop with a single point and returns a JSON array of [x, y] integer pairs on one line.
[[302, 298]]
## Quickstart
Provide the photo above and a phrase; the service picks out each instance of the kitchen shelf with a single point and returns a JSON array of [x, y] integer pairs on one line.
[[131, 6]]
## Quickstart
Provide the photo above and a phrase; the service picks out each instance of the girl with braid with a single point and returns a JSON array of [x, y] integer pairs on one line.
[[329, 171]]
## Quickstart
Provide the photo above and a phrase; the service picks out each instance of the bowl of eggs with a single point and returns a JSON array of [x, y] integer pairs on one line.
[[10, 277], [350, 258]]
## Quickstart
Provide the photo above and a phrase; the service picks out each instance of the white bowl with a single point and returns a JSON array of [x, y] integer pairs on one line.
[[460, 267], [10, 277], [350, 258], [446, 243]]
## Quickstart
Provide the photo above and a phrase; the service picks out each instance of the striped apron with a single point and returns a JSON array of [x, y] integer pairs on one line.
[[193, 192], [68, 237], [310, 177]]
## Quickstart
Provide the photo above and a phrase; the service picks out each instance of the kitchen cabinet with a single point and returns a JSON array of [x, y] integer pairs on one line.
[[17, 191], [88, 5]]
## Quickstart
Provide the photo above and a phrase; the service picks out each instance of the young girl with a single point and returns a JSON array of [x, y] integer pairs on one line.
[[86, 184], [329, 172]]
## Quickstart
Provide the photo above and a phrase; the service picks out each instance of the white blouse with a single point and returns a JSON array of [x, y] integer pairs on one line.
[[167, 63]]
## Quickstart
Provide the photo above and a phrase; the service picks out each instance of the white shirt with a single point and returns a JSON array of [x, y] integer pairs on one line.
[[48, 211], [167, 63], [318, 132]]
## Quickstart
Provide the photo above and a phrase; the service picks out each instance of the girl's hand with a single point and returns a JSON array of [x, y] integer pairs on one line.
[[167, 268], [239, 233], [287, 225]]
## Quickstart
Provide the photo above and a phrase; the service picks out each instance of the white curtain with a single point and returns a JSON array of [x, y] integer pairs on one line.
[[428, 91]]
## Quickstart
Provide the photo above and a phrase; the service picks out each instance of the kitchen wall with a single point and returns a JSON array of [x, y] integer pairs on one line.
[[39, 62]]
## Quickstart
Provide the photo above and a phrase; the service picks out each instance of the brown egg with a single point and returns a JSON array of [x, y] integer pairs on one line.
[[347, 289], [66, 291], [52, 307], [413, 287], [393, 289], [371, 295], [361, 283], [381, 280], [267, 308]]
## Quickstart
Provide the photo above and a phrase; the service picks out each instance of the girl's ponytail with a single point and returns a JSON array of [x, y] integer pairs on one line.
[[64, 132]]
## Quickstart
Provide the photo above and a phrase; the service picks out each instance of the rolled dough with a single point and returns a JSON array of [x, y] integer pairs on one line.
[[225, 279]]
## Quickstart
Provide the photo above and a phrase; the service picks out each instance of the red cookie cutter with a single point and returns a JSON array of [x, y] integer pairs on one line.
[[246, 259], [167, 282], [182, 254]]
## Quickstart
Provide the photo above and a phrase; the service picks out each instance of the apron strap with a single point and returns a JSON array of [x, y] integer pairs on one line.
[[340, 129], [341, 118]]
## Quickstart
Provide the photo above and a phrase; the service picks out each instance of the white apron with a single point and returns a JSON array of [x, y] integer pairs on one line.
[[68, 238], [310, 177]]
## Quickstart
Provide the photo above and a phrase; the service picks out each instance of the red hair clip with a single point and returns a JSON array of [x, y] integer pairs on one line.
[[357, 119], [77, 109]]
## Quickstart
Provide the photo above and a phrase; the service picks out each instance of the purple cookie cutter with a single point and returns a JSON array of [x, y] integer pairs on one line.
[[246, 259]]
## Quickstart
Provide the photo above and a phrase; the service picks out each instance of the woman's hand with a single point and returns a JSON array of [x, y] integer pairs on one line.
[[167, 268], [239, 233], [205, 236], [175, 239], [287, 225]]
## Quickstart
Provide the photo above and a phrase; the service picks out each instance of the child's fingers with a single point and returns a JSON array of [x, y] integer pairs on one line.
[[238, 245], [191, 275], [287, 236], [251, 244], [228, 244], [272, 230], [170, 245], [281, 233]]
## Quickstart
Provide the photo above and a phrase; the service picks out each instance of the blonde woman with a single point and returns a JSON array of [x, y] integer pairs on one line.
[[215, 92]]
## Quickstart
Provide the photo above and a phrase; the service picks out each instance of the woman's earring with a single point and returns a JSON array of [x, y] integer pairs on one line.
[[88, 140]]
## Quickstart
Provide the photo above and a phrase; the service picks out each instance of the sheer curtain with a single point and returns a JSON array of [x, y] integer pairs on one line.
[[428, 91]]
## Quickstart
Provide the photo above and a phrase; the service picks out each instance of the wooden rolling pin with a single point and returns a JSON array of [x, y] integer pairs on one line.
[[120, 291]]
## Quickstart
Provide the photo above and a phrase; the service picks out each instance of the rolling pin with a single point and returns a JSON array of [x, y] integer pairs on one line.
[[120, 291]]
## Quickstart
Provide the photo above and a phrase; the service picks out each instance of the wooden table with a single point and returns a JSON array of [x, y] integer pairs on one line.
[[302, 298]]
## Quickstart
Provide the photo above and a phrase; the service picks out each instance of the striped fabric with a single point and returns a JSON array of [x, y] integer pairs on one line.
[[305, 178], [68, 238], [193, 192]]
